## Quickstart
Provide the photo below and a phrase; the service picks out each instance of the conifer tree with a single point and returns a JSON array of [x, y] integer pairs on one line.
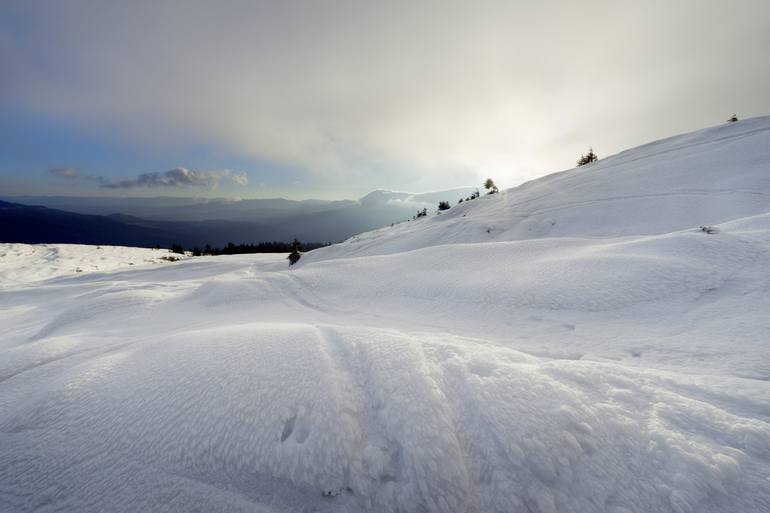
[[294, 256], [587, 158], [490, 186]]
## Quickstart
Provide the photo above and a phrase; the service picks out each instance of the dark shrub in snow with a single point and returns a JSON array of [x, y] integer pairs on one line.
[[587, 158]]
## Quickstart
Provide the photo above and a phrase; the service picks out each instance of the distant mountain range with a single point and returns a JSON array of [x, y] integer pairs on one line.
[[196, 222]]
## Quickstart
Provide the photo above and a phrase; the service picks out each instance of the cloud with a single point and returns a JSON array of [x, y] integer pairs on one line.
[[398, 94], [240, 179], [180, 177], [73, 176], [64, 172], [177, 177]]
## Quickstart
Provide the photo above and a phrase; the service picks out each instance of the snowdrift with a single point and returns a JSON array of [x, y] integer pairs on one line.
[[613, 361]]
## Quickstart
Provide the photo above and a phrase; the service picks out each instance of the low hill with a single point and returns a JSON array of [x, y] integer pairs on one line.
[[705, 177], [35, 224]]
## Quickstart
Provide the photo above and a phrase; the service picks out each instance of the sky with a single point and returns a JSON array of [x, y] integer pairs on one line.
[[332, 99]]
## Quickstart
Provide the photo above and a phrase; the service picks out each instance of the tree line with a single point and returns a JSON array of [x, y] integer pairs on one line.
[[489, 185], [242, 249]]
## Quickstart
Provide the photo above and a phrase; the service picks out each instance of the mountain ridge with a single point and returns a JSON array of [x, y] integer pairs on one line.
[[191, 224]]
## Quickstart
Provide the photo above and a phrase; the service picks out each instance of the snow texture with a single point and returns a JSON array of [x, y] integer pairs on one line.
[[596, 351]]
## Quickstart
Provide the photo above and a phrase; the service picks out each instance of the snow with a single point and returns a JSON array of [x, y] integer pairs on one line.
[[615, 362], [706, 177], [23, 263]]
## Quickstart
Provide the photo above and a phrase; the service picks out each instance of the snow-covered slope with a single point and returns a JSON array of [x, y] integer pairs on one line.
[[26, 263], [705, 177], [622, 366]]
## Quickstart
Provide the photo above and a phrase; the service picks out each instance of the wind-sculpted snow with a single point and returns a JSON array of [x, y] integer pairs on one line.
[[450, 370], [374, 420], [348, 385], [571, 274]]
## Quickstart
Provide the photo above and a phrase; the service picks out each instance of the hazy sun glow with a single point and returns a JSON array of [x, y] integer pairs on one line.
[[332, 100]]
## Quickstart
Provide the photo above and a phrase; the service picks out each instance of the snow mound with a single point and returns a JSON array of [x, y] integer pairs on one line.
[[571, 274]]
